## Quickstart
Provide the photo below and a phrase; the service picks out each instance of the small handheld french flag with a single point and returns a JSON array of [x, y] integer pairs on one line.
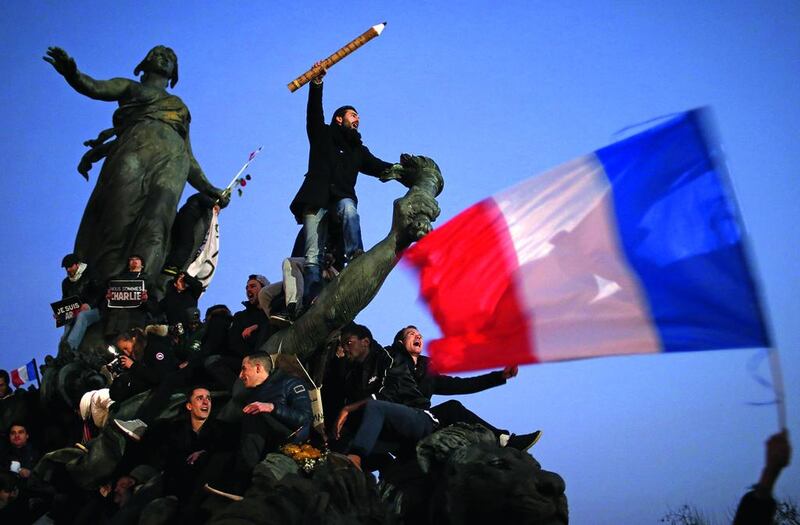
[[23, 374]]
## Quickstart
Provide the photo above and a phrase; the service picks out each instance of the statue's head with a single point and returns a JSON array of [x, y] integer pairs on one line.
[[162, 60], [488, 483]]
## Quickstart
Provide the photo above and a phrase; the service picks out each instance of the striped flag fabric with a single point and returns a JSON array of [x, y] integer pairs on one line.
[[23, 374], [207, 256], [636, 248]]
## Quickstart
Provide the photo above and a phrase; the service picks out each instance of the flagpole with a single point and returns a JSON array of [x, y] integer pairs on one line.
[[777, 385], [36, 370], [250, 159]]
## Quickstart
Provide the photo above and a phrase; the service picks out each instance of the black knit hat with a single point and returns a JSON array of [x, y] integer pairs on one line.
[[69, 260]]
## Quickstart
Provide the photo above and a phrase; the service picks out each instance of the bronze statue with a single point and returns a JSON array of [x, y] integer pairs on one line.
[[146, 166], [338, 304]]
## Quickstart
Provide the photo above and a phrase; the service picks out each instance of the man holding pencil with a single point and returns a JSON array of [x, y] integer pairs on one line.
[[336, 156]]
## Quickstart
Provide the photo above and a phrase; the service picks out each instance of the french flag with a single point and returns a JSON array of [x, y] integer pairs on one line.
[[23, 374], [636, 248]]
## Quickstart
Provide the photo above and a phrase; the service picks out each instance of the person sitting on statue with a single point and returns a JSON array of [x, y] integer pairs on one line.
[[277, 410], [146, 359], [250, 326], [146, 166], [147, 363], [119, 320], [194, 346], [248, 330], [380, 388], [409, 340], [190, 447], [182, 293], [188, 231], [336, 156], [80, 282], [289, 292], [214, 346]]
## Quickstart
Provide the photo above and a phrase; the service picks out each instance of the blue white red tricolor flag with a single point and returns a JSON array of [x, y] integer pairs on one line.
[[636, 248], [23, 374]]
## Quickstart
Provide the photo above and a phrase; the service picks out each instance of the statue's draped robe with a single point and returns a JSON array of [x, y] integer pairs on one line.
[[134, 202]]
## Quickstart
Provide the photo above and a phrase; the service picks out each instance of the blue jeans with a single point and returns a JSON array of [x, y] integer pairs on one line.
[[347, 213], [73, 333], [315, 226], [409, 423]]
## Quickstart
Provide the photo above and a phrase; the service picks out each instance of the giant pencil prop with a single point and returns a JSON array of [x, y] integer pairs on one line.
[[354, 44]]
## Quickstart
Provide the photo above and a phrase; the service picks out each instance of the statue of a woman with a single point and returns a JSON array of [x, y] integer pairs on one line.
[[146, 167]]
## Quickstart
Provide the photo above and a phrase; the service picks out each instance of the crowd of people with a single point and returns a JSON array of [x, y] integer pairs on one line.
[[237, 402], [377, 406], [126, 446]]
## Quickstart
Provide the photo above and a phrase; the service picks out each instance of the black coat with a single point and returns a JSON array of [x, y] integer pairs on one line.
[[237, 345], [334, 160], [175, 303], [171, 443], [385, 377], [87, 288], [431, 383], [148, 372]]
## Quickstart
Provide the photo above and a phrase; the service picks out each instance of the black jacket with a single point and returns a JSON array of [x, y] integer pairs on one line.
[[431, 383], [290, 397], [335, 158], [27, 456], [189, 229], [156, 363], [385, 377], [86, 288], [252, 314], [175, 303], [171, 442]]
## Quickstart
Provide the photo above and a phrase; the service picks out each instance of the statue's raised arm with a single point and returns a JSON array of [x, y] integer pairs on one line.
[[108, 90], [356, 285], [146, 165]]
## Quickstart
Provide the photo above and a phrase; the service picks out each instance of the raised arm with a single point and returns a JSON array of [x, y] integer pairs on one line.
[[352, 291], [107, 90], [315, 118]]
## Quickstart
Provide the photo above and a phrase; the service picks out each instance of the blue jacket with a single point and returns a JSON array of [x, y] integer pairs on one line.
[[290, 397]]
